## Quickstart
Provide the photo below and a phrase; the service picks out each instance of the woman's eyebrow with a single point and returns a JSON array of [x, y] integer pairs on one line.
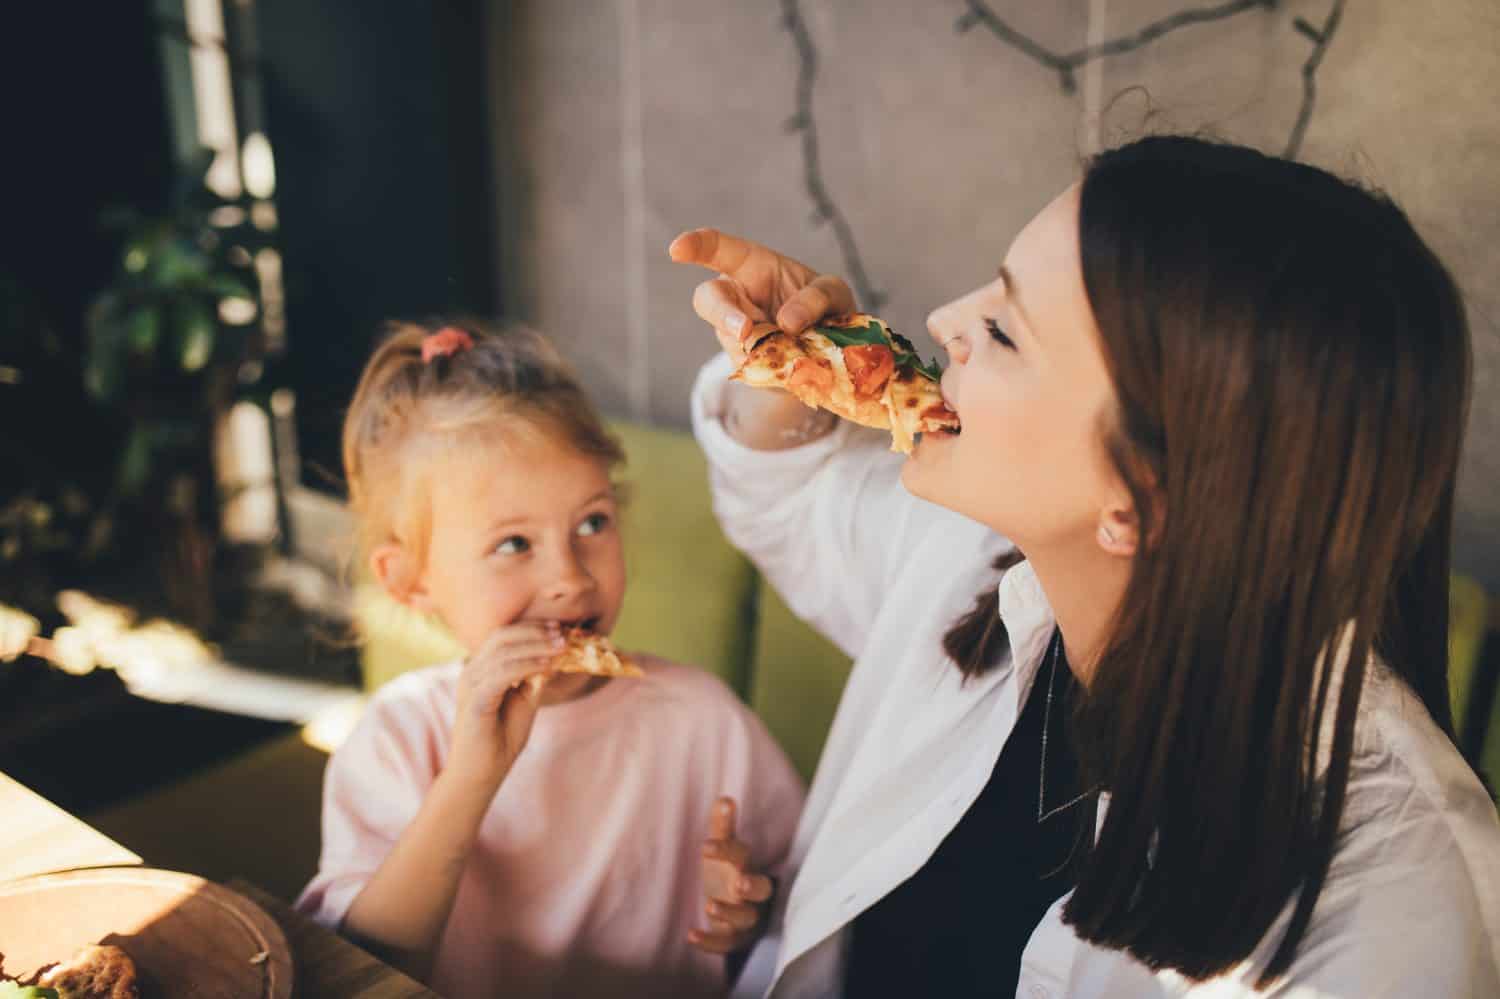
[[1007, 280]]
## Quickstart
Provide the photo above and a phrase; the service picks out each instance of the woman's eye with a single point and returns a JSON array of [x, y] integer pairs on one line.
[[593, 524], [998, 334], [515, 545]]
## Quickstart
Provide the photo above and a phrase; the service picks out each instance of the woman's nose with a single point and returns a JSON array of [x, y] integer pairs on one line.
[[943, 327]]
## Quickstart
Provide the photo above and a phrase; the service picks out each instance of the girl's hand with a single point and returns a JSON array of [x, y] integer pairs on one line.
[[735, 897], [498, 694], [755, 283]]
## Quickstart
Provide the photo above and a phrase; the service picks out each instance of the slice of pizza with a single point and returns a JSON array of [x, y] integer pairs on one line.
[[855, 366], [587, 652], [97, 972]]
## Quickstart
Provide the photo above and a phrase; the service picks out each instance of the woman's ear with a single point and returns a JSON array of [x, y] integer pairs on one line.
[[1119, 531], [400, 576]]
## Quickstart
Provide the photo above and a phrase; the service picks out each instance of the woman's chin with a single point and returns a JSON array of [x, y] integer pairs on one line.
[[921, 474]]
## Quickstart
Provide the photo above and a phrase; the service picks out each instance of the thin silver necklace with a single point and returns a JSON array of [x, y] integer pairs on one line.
[[1041, 790]]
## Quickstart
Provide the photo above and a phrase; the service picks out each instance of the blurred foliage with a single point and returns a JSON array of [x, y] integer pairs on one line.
[[175, 330], [109, 433]]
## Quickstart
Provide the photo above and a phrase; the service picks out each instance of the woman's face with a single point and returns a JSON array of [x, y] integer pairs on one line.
[[1028, 381]]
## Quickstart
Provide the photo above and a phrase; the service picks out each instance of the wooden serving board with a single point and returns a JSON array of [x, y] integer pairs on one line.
[[189, 938]]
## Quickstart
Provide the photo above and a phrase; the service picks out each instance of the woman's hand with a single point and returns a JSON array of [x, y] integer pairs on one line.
[[498, 694], [754, 284], [734, 896]]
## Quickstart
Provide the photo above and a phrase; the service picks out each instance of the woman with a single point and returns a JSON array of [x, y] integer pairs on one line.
[[1212, 411]]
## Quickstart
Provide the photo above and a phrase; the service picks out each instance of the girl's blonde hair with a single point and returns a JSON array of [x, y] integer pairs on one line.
[[406, 411]]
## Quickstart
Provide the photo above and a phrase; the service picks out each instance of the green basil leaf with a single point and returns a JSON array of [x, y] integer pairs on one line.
[[854, 336], [877, 333], [913, 360]]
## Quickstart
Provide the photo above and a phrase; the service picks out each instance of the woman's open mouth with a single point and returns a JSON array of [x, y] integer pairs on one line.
[[586, 624]]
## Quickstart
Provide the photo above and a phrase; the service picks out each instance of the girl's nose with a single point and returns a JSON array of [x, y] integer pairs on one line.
[[569, 578]]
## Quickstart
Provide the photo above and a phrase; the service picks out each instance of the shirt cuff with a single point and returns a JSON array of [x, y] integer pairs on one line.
[[729, 455]]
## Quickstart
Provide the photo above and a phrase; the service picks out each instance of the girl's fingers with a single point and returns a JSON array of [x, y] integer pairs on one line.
[[721, 819], [524, 631], [716, 941], [502, 641], [755, 887], [738, 917], [491, 685], [825, 295]]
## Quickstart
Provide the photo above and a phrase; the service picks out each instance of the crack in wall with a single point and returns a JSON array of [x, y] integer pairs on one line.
[[1065, 64]]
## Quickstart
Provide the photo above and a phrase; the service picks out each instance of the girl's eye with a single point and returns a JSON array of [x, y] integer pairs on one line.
[[593, 524], [514, 545], [999, 334]]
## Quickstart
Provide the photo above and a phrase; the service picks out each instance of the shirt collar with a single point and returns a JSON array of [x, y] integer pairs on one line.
[[1028, 620]]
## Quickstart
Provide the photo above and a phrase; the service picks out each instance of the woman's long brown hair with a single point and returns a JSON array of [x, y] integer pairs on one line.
[[1292, 367]]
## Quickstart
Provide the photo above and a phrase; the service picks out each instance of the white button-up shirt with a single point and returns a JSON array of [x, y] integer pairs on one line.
[[1412, 902]]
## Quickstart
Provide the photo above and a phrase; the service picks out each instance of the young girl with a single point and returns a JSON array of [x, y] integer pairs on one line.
[[490, 826]]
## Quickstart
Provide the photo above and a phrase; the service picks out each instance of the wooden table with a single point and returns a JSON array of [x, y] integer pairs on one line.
[[327, 965], [37, 837]]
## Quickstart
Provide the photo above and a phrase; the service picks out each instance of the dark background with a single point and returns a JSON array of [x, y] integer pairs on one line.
[[375, 113]]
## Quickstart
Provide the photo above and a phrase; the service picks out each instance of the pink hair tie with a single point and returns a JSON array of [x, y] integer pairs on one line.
[[445, 343]]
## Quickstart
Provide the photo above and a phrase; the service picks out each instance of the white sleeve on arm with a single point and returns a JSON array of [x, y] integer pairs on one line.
[[372, 790], [827, 522]]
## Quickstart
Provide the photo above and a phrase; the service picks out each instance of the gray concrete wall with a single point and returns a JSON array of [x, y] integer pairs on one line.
[[618, 124]]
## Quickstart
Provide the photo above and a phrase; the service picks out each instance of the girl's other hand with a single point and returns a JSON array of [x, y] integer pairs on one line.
[[735, 896], [756, 283], [498, 695]]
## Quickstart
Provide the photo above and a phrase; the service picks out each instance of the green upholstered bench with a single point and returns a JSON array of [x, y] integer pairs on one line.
[[691, 597]]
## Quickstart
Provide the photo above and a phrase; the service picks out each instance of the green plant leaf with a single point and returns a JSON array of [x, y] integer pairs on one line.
[[227, 286], [195, 328], [179, 262], [144, 328], [135, 462], [105, 354], [137, 255]]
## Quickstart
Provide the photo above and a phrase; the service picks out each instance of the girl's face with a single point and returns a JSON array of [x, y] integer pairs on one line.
[[1029, 383], [524, 530]]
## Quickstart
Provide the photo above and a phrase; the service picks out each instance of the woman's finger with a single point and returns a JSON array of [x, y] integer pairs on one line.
[[825, 295], [722, 303], [713, 249]]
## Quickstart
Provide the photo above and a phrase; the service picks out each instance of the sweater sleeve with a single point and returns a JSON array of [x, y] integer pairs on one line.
[[828, 523], [373, 788]]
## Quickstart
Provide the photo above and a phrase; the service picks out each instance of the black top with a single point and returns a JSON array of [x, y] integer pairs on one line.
[[958, 926]]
